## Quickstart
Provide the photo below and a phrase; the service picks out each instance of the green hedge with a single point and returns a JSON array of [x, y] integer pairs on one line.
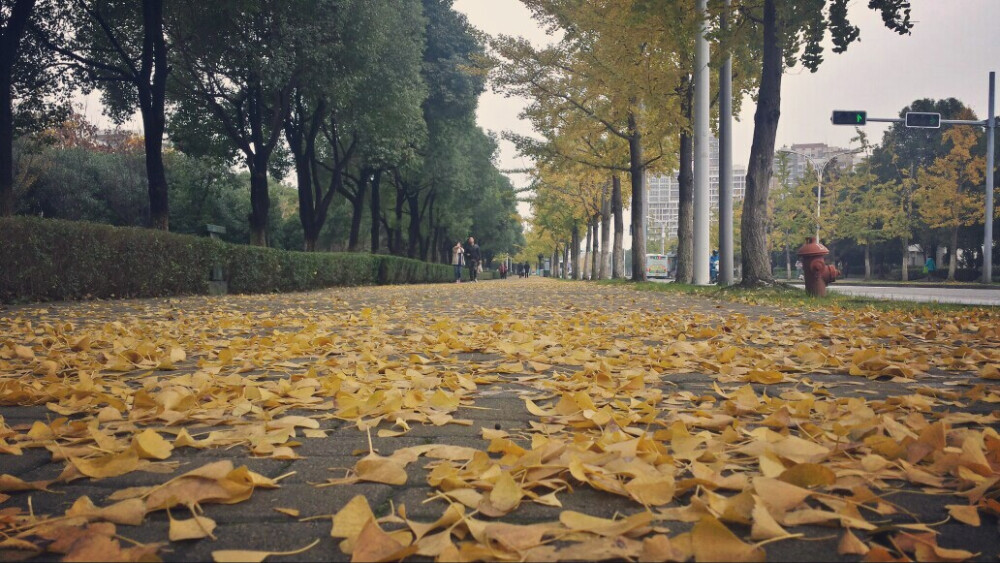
[[49, 259]]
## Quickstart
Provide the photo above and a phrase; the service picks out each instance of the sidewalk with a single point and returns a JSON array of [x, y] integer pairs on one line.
[[513, 419]]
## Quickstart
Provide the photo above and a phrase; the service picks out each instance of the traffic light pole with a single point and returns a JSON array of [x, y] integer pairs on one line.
[[841, 117], [991, 125]]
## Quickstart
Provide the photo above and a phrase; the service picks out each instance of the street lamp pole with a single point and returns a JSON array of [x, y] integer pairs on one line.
[[819, 176]]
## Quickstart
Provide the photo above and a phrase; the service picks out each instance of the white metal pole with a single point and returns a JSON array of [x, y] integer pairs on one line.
[[726, 247], [988, 234], [819, 197], [701, 149]]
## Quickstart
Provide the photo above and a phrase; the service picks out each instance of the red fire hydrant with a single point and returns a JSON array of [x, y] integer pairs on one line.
[[816, 272]]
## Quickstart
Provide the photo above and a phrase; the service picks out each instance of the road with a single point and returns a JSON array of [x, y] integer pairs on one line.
[[955, 295], [963, 296]]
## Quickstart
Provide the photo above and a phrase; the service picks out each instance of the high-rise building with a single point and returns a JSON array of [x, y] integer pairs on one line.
[[664, 195]]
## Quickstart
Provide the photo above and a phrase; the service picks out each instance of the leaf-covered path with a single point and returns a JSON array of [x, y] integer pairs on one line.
[[506, 420]]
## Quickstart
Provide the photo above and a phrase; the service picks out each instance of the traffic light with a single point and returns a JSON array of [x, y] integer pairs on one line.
[[922, 119], [841, 117]]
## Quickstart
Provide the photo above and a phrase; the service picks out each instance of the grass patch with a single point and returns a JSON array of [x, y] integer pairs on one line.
[[785, 296]]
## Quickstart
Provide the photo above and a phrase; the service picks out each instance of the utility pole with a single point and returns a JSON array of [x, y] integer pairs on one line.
[[726, 248], [701, 148], [991, 125]]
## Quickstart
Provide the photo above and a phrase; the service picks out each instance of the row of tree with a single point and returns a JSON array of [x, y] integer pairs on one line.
[[368, 103], [613, 98], [917, 187]]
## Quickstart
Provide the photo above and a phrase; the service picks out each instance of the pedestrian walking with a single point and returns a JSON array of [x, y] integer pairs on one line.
[[458, 260], [930, 266], [798, 269], [713, 267], [472, 258]]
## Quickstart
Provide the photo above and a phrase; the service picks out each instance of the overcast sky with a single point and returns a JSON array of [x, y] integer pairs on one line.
[[953, 46]]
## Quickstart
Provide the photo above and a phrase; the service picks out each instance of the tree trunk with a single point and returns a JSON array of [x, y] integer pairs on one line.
[[10, 41], [755, 257], [587, 274], [575, 252], [595, 254], [605, 236], [953, 254], [307, 216], [425, 242], [413, 235], [260, 200], [637, 171], [788, 261], [159, 206], [358, 210], [618, 270], [868, 262], [6, 144], [685, 209], [376, 206], [397, 245], [906, 259], [152, 89]]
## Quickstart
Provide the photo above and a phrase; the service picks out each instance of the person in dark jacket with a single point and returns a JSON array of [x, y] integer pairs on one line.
[[472, 258]]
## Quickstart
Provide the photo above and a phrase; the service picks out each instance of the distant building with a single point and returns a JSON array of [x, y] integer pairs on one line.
[[799, 166], [664, 194]]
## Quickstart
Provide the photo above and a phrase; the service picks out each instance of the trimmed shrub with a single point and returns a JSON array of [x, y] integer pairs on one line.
[[49, 259]]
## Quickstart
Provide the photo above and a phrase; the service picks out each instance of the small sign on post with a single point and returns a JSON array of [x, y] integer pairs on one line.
[[215, 230]]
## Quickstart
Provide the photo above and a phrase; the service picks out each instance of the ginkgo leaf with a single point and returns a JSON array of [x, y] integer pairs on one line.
[[150, 445], [373, 544], [850, 545], [193, 528], [380, 469], [764, 525], [652, 490], [352, 518], [129, 512], [506, 494], [111, 465], [964, 513], [809, 475], [779, 496], [712, 541], [247, 556], [602, 526]]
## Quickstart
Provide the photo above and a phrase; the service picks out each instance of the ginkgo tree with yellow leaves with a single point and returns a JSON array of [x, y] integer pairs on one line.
[[611, 67], [948, 196], [569, 196], [571, 140]]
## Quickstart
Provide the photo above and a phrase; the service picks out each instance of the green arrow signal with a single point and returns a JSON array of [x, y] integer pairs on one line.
[[853, 117]]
